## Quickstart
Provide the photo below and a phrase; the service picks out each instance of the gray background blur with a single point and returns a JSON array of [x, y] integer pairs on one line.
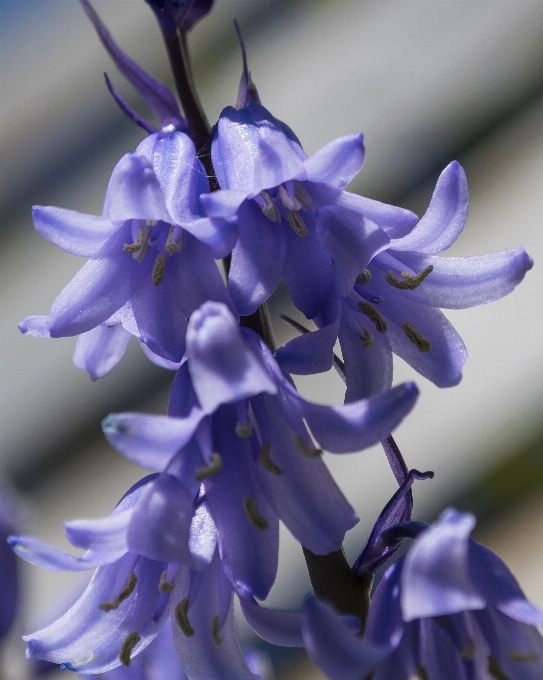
[[426, 81]]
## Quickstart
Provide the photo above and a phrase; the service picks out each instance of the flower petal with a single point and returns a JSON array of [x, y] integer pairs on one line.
[[223, 370], [336, 163], [99, 350], [36, 326], [445, 218], [396, 222], [108, 534], [360, 424], [436, 576], [309, 353], [72, 231], [276, 626], [42, 555]]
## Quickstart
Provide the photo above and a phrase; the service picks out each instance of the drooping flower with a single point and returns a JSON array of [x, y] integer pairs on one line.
[[295, 220], [151, 257], [449, 609], [236, 426], [157, 558], [394, 305]]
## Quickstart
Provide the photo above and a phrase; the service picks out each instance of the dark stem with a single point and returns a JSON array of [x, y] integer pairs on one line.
[[334, 581], [395, 459]]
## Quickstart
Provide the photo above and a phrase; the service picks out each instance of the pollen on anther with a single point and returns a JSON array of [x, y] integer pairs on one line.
[[164, 585], [127, 647], [182, 618], [244, 430], [297, 223], [270, 210], [266, 462], [158, 269], [215, 464], [173, 246], [215, 630], [307, 451], [409, 281], [416, 337], [254, 517], [366, 338], [373, 315], [364, 277], [128, 589]]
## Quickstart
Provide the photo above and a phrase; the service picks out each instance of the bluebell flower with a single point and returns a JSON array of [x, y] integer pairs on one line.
[[236, 426], [151, 257], [394, 305], [295, 220], [449, 609], [157, 558]]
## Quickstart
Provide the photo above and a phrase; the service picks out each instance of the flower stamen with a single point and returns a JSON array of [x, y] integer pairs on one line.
[[270, 210], [266, 462], [416, 337], [173, 245], [215, 630], [290, 202], [182, 618], [244, 430], [364, 277], [139, 248], [158, 269], [373, 315], [127, 647], [215, 464], [254, 517], [367, 338], [302, 195], [110, 605], [164, 585], [307, 451], [410, 281], [297, 223]]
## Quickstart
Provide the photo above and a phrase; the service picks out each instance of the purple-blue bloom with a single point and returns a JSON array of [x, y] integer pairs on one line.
[[151, 257], [295, 220], [179, 14], [449, 609], [236, 426]]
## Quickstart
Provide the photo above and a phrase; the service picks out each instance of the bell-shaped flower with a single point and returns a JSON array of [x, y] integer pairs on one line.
[[295, 220], [449, 609], [394, 304], [237, 427], [151, 257]]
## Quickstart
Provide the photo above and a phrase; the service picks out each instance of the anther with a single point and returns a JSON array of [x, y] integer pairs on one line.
[[110, 605], [130, 641], [304, 449], [254, 517], [302, 195], [214, 466], [519, 657], [244, 431], [364, 277], [422, 673], [164, 585], [495, 669], [139, 249], [410, 281], [290, 203], [367, 338], [373, 315], [270, 209], [158, 269], [173, 246], [182, 618], [266, 462], [297, 223], [469, 652], [215, 630], [416, 337]]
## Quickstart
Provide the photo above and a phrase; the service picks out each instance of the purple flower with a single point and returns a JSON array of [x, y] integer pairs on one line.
[[179, 14], [394, 305], [157, 557], [236, 426], [449, 609], [295, 220], [151, 257]]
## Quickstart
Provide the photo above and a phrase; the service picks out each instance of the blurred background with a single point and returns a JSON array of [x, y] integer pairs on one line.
[[426, 81]]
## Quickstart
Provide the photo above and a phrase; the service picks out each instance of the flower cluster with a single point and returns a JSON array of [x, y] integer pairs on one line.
[[240, 449]]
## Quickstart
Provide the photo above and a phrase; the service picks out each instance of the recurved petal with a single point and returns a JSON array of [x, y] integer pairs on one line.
[[336, 163], [461, 282], [359, 424], [445, 218], [148, 440], [276, 626], [107, 534], [42, 555], [99, 350], [72, 231], [223, 370], [36, 326], [396, 222], [436, 578], [99, 289], [134, 192], [310, 352]]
